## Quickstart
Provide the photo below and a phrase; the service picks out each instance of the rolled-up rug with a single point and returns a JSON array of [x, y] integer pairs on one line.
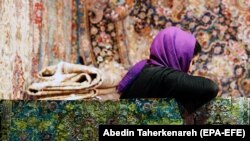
[[99, 94], [74, 81]]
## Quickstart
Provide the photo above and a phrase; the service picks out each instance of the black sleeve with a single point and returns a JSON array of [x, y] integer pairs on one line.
[[191, 89]]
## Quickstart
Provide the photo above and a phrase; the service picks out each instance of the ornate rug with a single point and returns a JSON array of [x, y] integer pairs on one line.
[[79, 120], [38, 33]]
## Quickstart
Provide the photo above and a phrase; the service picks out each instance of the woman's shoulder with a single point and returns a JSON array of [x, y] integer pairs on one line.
[[160, 72], [159, 69]]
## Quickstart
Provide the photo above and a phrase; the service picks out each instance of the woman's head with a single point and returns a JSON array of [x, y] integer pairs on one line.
[[197, 50], [174, 48]]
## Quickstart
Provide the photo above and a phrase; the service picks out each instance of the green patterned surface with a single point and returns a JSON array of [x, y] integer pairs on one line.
[[79, 120], [225, 111]]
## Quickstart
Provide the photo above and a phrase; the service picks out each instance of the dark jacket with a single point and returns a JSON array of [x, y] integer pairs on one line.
[[158, 82]]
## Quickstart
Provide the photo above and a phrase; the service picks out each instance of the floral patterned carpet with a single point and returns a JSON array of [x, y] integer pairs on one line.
[[79, 120], [72, 120], [38, 33]]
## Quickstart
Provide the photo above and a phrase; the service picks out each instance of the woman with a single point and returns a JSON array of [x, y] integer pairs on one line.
[[164, 74]]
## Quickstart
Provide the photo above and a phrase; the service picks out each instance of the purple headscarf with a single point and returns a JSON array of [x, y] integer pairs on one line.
[[172, 48]]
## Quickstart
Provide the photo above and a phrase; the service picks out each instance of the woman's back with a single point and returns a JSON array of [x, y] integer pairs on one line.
[[160, 82], [164, 74]]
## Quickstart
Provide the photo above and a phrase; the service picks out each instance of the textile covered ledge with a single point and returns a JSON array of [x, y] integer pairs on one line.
[[64, 120]]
